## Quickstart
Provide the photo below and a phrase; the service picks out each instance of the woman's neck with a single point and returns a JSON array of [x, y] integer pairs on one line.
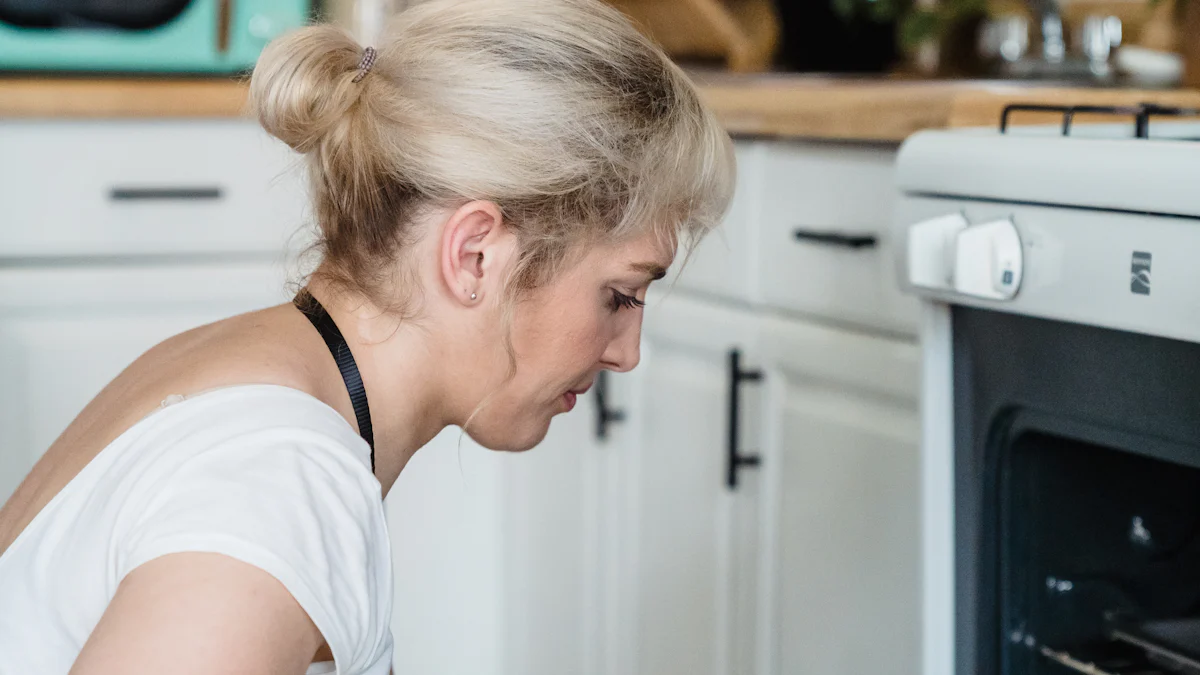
[[402, 370]]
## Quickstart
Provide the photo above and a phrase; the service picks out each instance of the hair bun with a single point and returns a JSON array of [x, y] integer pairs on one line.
[[304, 84]]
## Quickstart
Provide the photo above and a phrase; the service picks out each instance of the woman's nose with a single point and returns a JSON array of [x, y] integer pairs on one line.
[[625, 350]]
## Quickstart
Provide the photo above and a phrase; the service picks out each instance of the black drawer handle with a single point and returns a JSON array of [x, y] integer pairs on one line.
[[146, 194], [604, 414], [854, 241], [736, 460]]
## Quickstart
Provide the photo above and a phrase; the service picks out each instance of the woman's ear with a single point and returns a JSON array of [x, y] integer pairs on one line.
[[476, 247]]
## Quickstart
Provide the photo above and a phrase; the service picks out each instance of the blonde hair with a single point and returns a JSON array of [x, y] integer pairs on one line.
[[559, 111]]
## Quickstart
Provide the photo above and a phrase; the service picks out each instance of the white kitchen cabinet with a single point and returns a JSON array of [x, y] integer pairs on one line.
[[824, 246], [444, 519], [807, 233], [72, 188], [624, 556], [686, 544], [500, 557], [554, 523], [809, 565], [841, 553], [724, 264], [65, 331], [636, 557]]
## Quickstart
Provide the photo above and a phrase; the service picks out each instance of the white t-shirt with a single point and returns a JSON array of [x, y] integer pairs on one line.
[[262, 473]]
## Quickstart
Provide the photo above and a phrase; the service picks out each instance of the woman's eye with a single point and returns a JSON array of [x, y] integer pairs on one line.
[[621, 300]]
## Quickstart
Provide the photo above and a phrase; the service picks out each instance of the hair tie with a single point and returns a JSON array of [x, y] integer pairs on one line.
[[365, 63]]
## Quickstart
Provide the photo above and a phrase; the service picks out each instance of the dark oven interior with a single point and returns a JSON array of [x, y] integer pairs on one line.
[[1099, 559], [1077, 499]]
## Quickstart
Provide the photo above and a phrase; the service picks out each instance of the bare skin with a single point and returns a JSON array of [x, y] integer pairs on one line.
[[272, 346], [421, 376]]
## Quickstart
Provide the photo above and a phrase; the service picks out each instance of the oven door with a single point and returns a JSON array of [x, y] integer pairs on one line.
[[1076, 498]]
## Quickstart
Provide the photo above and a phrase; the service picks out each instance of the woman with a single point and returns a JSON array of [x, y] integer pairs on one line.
[[495, 188]]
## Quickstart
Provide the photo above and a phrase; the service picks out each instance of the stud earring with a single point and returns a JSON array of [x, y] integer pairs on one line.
[[473, 296]]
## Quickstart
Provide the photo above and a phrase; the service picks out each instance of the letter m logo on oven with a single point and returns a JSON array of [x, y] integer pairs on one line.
[[1140, 273]]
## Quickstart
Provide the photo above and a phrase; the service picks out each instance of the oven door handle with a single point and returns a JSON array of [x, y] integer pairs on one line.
[[736, 460]]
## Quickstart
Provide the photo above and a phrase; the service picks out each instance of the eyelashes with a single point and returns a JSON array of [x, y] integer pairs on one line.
[[620, 300]]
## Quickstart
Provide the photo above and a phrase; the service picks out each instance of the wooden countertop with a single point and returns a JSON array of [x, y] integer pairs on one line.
[[889, 110], [797, 106]]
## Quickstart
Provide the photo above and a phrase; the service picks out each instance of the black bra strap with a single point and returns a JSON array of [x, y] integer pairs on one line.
[[321, 320]]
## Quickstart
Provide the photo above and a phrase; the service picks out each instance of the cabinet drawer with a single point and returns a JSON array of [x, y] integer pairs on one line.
[[722, 265], [823, 248], [146, 187]]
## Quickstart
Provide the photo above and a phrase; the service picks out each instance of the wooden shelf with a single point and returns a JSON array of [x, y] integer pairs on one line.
[[123, 97]]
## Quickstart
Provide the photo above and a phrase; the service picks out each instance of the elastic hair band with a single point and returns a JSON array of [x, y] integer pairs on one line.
[[365, 64]]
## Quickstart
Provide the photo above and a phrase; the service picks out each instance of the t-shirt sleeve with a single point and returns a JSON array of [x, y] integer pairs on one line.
[[299, 506]]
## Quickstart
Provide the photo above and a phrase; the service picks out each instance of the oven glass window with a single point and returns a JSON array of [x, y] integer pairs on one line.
[[1099, 568]]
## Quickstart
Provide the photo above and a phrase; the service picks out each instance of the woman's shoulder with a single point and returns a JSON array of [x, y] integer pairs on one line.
[[251, 413], [260, 442], [262, 474], [273, 477]]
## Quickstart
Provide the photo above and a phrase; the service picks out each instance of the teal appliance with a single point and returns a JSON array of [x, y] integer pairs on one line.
[[142, 36]]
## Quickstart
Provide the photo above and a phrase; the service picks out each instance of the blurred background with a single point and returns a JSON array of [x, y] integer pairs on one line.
[[1096, 41], [748, 499], [1146, 41]]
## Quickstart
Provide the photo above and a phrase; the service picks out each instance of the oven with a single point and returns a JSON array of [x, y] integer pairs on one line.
[[1059, 275]]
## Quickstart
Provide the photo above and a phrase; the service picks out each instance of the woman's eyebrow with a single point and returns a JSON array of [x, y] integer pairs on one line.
[[653, 269]]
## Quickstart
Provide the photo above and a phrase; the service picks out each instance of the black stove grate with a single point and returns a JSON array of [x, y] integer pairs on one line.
[[1141, 114]]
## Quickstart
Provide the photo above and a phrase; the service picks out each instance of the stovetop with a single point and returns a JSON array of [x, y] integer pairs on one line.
[[1141, 116], [1146, 165]]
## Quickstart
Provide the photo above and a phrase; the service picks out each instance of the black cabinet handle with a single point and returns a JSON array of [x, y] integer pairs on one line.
[[604, 414], [854, 241], [157, 194], [736, 459]]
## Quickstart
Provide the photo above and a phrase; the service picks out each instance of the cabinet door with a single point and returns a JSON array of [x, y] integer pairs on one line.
[[444, 516], [66, 331], [687, 563], [555, 528], [841, 576], [503, 559], [724, 264]]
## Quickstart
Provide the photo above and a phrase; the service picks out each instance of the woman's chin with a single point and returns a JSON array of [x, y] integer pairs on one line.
[[509, 439]]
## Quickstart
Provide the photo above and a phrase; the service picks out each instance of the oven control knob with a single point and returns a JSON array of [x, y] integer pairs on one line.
[[931, 251], [988, 260]]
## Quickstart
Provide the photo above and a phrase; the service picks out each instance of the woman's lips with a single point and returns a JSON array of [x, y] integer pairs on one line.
[[572, 397]]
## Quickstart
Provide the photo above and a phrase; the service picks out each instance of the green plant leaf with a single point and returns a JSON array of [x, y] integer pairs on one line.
[[962, 9], [883, 11], [845, 8], [879, 11], [918, 26]]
